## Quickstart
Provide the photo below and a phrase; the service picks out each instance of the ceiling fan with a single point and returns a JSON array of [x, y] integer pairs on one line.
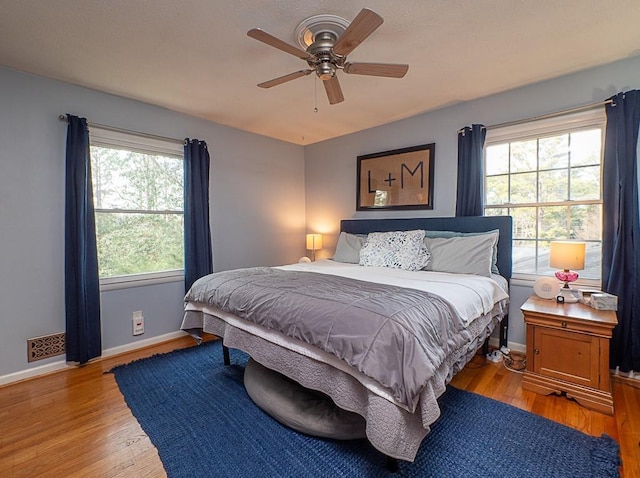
[[327, 40]]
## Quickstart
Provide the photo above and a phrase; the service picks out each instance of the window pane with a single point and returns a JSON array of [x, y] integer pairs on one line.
[[497, 159], [543, 259], [524, 156], [553, 223], [524, 222], [586, 147], [497, 190], [138, 243], [136, 181], [585, 183], [554, 186], [592, 261], [554, 152], [586, 222], [524, 188], [524, 255]]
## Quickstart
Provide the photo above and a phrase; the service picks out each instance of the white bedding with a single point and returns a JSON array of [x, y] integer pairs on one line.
[[471, 295]]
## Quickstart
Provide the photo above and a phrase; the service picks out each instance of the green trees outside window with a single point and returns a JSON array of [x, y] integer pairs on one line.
[[138, 197]]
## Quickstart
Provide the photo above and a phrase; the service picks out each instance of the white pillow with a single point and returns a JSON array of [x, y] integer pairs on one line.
[[447, 234], [397, 250], [462, 255], [348, 248]]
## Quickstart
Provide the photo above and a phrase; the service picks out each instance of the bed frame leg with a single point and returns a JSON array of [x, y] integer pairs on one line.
[[392, 465], [485, 347], [504, 331], [225, 355]]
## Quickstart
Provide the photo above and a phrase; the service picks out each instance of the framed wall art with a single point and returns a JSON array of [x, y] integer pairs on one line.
[[397, 179]]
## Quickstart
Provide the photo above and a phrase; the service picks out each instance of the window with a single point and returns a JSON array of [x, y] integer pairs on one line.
[[547, 175], [138, 198]]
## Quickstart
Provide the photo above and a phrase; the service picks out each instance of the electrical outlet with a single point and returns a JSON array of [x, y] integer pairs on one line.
[[138, 323]]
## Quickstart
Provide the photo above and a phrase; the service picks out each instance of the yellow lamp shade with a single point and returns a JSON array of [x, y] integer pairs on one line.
[[314, 242], [567, 255]]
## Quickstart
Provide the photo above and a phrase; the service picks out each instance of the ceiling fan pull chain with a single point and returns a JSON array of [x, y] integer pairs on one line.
[[315, 95]]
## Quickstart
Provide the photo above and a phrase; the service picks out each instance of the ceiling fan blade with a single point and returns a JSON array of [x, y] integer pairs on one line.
[[365, 23], [334, 92], [390, 70], [270, 40], [284, 79]]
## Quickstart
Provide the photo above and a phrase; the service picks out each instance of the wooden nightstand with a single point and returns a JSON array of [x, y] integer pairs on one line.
[[568, 351]]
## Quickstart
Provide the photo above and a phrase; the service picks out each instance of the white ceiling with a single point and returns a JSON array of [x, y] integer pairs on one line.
[[193, 56]]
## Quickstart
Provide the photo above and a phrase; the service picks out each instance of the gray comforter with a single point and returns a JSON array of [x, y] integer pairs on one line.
[[397, 336]]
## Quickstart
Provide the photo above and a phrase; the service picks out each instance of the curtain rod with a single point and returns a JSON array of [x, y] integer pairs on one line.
[[548, 115], [120, 130]]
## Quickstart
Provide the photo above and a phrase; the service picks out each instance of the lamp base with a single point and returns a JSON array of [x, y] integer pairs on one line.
[[568, 295]]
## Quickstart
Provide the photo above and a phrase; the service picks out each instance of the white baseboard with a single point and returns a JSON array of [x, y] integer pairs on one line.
[[632, 375], [33, 372], [515, 346], [62, 364], [142, 343]]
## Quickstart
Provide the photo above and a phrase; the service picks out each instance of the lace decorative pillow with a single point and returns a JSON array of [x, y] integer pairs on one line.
[[397, 250]]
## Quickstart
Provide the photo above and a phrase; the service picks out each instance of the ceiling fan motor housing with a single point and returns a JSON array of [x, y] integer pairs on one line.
[[323, 60]]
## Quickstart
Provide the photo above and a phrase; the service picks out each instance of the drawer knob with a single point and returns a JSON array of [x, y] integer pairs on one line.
[[536, 351], [564, 325]]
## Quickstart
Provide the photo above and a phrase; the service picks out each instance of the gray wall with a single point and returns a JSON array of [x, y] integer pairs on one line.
[[256, 195], [259, 187], [331, 165]]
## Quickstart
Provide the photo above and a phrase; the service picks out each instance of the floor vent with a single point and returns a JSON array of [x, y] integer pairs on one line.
[[39, 348]]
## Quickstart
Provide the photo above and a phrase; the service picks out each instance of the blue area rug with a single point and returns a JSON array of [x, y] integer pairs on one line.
[[198, 415]]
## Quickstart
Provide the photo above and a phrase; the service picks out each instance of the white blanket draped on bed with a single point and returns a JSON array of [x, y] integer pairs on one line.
[[471, 295]]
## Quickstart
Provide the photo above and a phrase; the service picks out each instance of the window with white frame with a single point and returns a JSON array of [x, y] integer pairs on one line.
[[138, 198], [547, 175]]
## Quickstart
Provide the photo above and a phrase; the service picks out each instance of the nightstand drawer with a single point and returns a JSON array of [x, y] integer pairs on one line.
[[570, 325]]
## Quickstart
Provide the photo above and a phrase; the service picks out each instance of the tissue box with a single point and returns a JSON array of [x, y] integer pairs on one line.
[[584, 295], [603, 301]]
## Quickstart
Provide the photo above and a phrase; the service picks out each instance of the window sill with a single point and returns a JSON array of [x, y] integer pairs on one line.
[[140, 280], [527, 280]]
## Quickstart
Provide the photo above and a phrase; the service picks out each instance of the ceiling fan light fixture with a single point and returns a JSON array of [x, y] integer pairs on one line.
[[326, 70]]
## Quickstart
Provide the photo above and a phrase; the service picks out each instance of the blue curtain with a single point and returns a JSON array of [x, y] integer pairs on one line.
[[82, 288], [469, 200], [198, 256], [621, 230]]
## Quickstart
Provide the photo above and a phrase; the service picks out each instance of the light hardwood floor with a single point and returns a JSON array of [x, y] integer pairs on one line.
[[75, 422]]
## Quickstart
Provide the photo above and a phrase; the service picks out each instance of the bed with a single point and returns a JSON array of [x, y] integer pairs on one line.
[[365, 336]]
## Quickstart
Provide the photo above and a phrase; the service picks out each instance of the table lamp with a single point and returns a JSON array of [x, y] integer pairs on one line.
[[567, 255], [314, 243]]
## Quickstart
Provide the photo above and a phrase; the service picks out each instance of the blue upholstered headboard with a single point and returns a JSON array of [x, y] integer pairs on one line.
[[459, 224]]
